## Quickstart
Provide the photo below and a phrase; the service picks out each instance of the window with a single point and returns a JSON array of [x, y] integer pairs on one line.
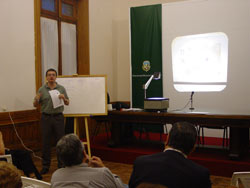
[[59, 36], [49, 5], [70, 24], [67, 9], [200, 62]]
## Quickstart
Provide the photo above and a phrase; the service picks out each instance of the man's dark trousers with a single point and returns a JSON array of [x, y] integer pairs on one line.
[[52, 125]]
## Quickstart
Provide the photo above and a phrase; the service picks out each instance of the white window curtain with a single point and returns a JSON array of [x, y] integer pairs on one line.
[[49, 45], [69, 59]]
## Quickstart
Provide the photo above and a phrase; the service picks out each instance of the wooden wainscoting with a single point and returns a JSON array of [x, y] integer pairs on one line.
[[27, 126]]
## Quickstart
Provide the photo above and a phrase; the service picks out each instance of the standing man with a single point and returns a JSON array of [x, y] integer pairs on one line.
[[52, 120], [172, 168]]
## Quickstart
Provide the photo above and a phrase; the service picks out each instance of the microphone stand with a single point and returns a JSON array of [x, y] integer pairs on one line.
[[191, 100]]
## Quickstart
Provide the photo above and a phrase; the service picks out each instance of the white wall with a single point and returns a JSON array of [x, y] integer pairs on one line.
[[101, 40], [17, 57], [229, 16], [195, 17]]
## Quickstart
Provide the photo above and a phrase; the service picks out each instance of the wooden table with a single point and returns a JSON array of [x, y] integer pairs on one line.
[[239, 124]]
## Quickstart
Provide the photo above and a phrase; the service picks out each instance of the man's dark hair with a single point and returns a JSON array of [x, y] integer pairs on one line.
[[182, 136], [69, 150], [51, 70]]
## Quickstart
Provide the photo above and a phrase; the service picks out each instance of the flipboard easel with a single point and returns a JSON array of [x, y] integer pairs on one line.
[[88, 97]]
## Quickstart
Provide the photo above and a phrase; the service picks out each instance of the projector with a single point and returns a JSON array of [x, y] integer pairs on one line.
[[156, 104]]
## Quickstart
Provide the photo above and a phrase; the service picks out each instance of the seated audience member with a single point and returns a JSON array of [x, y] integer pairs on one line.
[[2, 148], [79, 173], [9, 176], [172, 168]]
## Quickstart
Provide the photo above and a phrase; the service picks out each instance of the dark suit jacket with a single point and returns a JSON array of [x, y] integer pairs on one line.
[[169, 168]]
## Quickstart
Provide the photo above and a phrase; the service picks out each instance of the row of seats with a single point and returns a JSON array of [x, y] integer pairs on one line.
[[201, 137], [200, 132]]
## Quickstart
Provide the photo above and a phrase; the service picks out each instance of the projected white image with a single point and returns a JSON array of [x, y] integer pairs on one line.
[[200, 62]]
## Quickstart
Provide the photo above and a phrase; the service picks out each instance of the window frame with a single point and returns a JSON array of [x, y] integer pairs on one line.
[[82, 16]]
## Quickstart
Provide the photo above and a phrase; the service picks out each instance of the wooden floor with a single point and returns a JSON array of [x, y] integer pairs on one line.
[[124, 171]]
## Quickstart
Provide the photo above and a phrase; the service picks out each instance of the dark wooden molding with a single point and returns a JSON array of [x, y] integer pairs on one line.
[[83, 37], [19, 117], [37, 29]]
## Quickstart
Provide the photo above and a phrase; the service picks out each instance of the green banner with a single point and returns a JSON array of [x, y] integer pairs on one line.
[[146, 52]]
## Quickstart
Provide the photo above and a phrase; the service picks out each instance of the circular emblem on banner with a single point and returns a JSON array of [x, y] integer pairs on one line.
[[146, 65]]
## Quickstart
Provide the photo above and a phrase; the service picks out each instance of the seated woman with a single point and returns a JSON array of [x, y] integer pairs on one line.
[[9, 176]]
